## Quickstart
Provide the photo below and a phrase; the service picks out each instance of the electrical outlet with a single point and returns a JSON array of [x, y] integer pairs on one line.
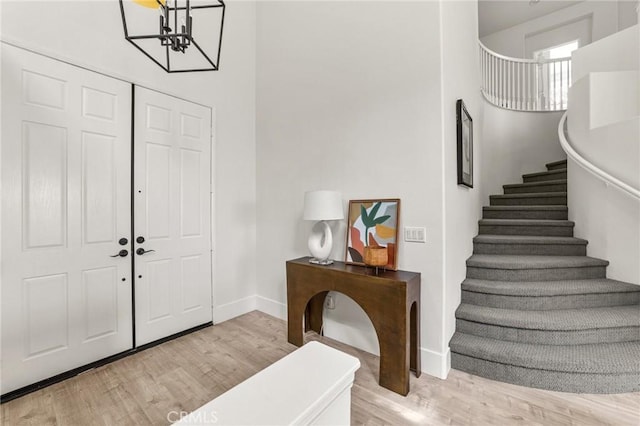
[[330, 302], [415, 234]]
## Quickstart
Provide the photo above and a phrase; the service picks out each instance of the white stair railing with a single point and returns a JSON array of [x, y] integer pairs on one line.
[[525, 84]]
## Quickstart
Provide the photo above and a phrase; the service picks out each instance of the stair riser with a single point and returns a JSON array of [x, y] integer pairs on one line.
[[549, 337], [547, 303], [531, 249], [545, 177], [525, 214], [549, 274], [554, 231], [534, 189], [545, 379], [529, 201]]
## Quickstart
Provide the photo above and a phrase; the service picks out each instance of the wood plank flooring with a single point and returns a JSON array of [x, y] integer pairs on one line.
[[154, 386]]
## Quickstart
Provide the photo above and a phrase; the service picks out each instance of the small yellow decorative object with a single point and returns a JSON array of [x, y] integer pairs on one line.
[[376, 256], [151, 4]]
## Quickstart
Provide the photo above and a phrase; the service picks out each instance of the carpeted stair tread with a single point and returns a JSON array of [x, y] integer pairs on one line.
[[551, 211], [599, 358], [557, 165], [548, 288], [553, 185], [527, 239], [564, 320], [530, 195], [491, 261], [548, 173], [536, 184], [550, 207], [532, 198], [527, 222]]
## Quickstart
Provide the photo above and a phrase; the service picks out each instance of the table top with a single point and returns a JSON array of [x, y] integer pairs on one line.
[[359, 270]]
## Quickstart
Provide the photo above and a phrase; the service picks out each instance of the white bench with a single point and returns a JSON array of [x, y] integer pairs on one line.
[[311, 385]]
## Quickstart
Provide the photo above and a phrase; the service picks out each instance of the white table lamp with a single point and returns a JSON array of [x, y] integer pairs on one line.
[[322, 206]]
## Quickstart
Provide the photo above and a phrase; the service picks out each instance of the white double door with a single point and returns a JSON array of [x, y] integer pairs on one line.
[[68, 289]]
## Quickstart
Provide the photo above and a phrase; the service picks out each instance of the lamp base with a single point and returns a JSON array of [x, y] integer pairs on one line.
[[323, 262]]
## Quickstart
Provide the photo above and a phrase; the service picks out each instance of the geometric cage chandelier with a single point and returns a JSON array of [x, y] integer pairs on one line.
[[178, 35]]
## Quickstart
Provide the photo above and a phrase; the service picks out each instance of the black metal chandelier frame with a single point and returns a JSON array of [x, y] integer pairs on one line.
[[173, 40]]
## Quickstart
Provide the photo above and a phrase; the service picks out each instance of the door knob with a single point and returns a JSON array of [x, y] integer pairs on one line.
[[140, 240], [142, 251], [123, 241], [121, 253]]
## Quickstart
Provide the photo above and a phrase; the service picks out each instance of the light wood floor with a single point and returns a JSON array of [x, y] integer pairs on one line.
[[183, 374]]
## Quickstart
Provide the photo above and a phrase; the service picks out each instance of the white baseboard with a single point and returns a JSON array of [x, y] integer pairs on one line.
[[436, 364], [234, 309], [271, 307]]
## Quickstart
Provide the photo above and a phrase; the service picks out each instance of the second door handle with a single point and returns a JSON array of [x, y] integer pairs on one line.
[[142, 251]]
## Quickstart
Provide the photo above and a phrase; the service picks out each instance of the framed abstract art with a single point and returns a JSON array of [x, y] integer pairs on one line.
[[373, 224]]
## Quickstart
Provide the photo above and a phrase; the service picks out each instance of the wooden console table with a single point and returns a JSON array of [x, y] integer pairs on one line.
[[390, 299]]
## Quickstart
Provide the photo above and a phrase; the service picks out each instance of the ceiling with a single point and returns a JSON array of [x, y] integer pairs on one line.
[[496, 15]]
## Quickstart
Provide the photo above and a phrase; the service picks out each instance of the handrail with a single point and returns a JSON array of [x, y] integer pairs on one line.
[[507, 58], [524, 84], [590, 167]]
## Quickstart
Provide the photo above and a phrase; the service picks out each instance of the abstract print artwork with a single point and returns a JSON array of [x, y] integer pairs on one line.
[[373, 223]]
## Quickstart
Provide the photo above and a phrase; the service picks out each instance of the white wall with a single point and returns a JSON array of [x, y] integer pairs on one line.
[[604, 21], [516, 143], [604, 128], [627, 13], [350, 97], [460, 80], [90, 34]]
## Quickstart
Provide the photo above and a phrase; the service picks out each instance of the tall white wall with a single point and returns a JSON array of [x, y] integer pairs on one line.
[[601, 16], [351, 96], [604, 128], [90, 34], [348, 98], [516, 143], [460, 80]]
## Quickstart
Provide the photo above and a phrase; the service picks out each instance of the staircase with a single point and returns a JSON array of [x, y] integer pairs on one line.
[[536, 310]]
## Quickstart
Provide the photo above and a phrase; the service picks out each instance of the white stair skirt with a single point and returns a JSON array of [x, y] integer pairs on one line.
[[312, 385]]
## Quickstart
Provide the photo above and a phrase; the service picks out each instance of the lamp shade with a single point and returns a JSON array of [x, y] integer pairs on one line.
[[323, 205]]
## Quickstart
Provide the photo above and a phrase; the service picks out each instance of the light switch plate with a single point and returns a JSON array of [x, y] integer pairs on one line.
[[415, 234]]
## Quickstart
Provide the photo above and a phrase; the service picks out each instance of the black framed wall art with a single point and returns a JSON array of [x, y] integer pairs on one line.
[[464, 124]]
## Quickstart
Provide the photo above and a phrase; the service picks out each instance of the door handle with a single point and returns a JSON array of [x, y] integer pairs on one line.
[[121, 253], [142, 251]]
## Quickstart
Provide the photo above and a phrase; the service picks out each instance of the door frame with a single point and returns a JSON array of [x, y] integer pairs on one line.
[[38, 50]]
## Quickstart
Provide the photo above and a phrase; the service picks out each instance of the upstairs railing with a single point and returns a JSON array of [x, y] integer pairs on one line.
[[525, 84]]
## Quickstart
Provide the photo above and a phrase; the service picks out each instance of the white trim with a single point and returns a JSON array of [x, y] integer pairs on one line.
[[436, 364], [271, 307], [590, 167], [234, 309]]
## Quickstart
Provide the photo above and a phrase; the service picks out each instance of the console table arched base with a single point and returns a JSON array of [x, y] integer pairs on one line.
[[391, 299]]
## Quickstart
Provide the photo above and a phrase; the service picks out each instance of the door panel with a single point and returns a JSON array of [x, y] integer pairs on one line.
[[172, 146], [66, 201]]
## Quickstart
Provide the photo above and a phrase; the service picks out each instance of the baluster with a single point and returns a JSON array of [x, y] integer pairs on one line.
[[554, 81], [527, 71], [512, 87], [548, 96], [493, 80], [561, 86], [520, 84]]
